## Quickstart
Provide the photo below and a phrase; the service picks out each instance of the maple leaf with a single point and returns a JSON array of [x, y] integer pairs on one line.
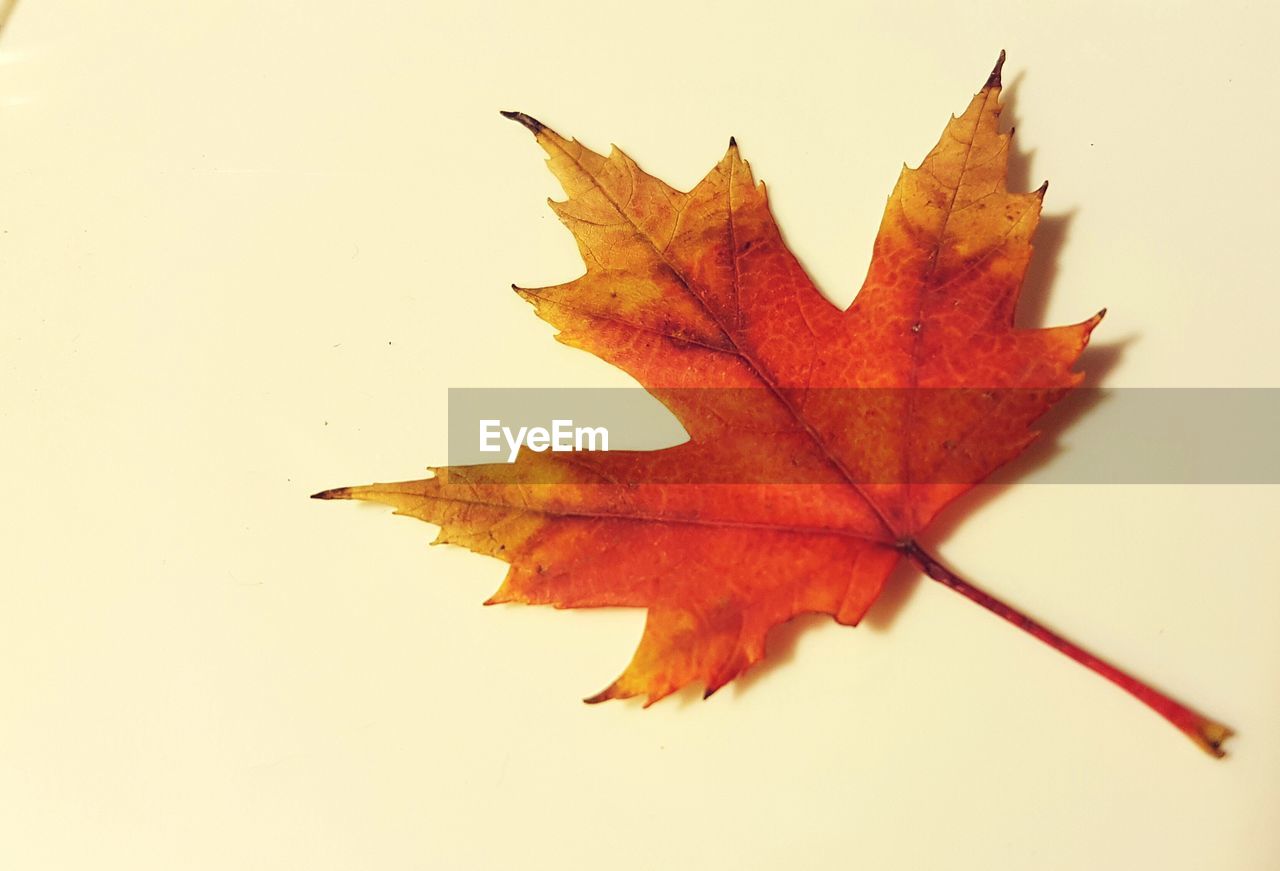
[[892, 408]]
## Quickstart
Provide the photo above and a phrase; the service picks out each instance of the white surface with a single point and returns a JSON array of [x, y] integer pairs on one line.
[[246, 248]]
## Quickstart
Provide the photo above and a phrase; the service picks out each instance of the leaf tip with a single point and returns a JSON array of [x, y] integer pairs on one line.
[[603, 696], [993, 80], [733, 143], [335, 493], [532, 124], [1040, 191]]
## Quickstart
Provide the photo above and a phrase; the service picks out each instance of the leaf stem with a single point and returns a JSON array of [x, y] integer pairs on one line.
[[1207, 734]]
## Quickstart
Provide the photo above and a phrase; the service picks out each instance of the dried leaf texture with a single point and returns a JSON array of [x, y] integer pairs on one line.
[[698, 290]]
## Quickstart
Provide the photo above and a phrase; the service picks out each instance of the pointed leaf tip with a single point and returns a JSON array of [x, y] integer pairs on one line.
[[603, 696], [335, 493], [993, 80], [533, 124], [733, 142]]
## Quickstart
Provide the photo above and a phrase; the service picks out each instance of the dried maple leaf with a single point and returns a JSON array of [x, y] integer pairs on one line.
[[892, 409]]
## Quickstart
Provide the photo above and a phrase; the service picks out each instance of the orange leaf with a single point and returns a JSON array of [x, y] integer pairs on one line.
[[882, 413]]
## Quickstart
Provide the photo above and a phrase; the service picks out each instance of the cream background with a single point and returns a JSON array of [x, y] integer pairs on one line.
[[245, 248]]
